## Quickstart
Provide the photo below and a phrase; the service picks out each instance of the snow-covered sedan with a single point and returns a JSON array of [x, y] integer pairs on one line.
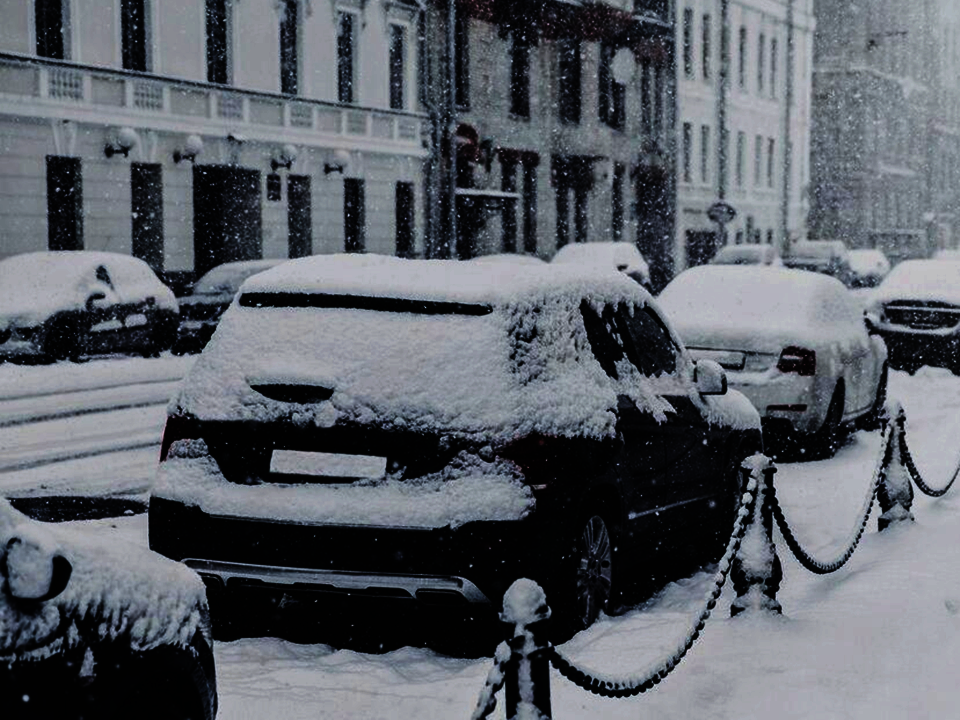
[[425, 432], [792, 341], [67, 304], [624, 256], [93, 628], [916, 310], [209, 298]]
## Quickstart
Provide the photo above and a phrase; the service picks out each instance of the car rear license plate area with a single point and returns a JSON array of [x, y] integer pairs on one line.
[[326, 467]]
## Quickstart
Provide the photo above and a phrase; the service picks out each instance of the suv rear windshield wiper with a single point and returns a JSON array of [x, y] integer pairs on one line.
[[360, 302]]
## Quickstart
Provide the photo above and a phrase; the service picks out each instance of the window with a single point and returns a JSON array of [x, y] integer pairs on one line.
[[688, 42], [398, 67], [742, 59], [619, 173], [602, 335], [612, 95], [462, 61], [218, 41], [658, 89], [508, 207], [757, 159], [64, 203], [771, 147], [761, 55], [346, 47], [405, 214], [773, 67], [741, 150], [146, 213], [646, 105], [530, 206], [568, 56], [354, 216], [704, 153], [299, 214], [133, 29], [646, 341], [686, 150], [52, 29], [274, 187], [289, 62], [706, 46], [520, 76]]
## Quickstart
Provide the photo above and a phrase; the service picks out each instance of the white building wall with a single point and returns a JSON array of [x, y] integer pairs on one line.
[[751, 110]]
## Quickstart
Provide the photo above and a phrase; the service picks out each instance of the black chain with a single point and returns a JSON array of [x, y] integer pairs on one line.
[[907, 459], [803, 557], [620, 688]]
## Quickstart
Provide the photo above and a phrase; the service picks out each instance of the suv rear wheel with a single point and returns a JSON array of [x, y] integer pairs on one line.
[[594, 571]]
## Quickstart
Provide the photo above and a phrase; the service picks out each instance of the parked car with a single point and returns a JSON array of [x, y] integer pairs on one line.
[[829, 257], [517, 258], [95, 629], [60, 305], [868, 267], [753, 254], [795, 343], [916, 310], [624, 256], [368, 429], [209, 297], [947, 254]]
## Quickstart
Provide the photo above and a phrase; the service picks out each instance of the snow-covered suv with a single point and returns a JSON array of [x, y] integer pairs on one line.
[[429, 431]]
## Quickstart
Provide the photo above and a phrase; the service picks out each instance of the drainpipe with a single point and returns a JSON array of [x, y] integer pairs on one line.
[[723, 86], [787, 137], [447, 239]]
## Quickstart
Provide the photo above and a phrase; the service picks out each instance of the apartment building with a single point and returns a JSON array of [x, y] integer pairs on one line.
[[886, 111], [744, 121], [560, 125], [194, 132]]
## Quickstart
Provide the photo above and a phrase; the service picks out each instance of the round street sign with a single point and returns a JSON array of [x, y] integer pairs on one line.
[[721, 212]]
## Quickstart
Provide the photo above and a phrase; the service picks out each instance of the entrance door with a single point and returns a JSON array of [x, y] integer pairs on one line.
[[227, 221]]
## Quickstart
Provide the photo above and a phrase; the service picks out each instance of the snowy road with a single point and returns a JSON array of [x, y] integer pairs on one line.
[[84, 429], [879, 639]]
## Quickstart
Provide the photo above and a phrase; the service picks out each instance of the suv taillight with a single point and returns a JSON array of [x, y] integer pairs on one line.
[[177, 427], [798, 360]]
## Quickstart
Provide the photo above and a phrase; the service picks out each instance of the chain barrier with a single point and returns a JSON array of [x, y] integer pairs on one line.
[[620, 688], [487, 701], [809, 562], [906, 457]]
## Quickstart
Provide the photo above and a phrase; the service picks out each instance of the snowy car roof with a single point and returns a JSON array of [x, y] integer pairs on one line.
[[441, 280], [937, 280], [621, 255]]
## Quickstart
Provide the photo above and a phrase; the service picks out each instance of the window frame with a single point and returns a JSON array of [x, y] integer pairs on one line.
[[569, 80], [290, 74], [397, 78], [347, 76]]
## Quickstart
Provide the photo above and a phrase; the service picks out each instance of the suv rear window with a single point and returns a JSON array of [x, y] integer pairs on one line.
[[360, 302]]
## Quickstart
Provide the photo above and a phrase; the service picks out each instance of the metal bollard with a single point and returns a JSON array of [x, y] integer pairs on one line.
[[895, 492], [527, 673], [756, 571]]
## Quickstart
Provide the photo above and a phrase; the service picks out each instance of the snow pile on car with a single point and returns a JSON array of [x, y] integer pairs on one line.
[[493, 350], [926, 280], [469, 489], [115, 593], [759, 308]]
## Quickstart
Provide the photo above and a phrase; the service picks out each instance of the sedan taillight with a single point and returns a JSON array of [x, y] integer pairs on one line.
[[177, 427], [798, 360]]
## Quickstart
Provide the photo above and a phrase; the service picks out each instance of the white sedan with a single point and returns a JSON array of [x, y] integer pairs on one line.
[[794, 342]]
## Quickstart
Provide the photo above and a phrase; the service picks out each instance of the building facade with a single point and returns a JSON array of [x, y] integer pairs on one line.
[[887, 125], [556, 125], [744, 121], [192, 132]]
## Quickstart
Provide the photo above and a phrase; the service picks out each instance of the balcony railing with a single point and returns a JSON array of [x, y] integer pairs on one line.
[[103, 89]]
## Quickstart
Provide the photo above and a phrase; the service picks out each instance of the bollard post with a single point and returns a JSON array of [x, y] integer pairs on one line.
[[756, 571], [527, 673], [895, 492]]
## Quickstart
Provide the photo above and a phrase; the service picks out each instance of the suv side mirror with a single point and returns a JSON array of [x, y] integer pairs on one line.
[[871, 320], [33, 566], [96, 300], [709, 378]]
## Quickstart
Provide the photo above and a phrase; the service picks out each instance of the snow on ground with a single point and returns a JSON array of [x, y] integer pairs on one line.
[[878, 639]]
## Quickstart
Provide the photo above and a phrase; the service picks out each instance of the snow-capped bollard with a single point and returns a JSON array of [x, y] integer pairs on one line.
[[527, 682], [895, 492], [756, 572]]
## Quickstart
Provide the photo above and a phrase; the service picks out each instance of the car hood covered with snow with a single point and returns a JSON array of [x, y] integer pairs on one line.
[[431, 346]]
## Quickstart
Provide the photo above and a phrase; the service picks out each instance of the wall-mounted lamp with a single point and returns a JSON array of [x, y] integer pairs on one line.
[[285, 159], [341, 159], [192, 146], [122, 143]]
